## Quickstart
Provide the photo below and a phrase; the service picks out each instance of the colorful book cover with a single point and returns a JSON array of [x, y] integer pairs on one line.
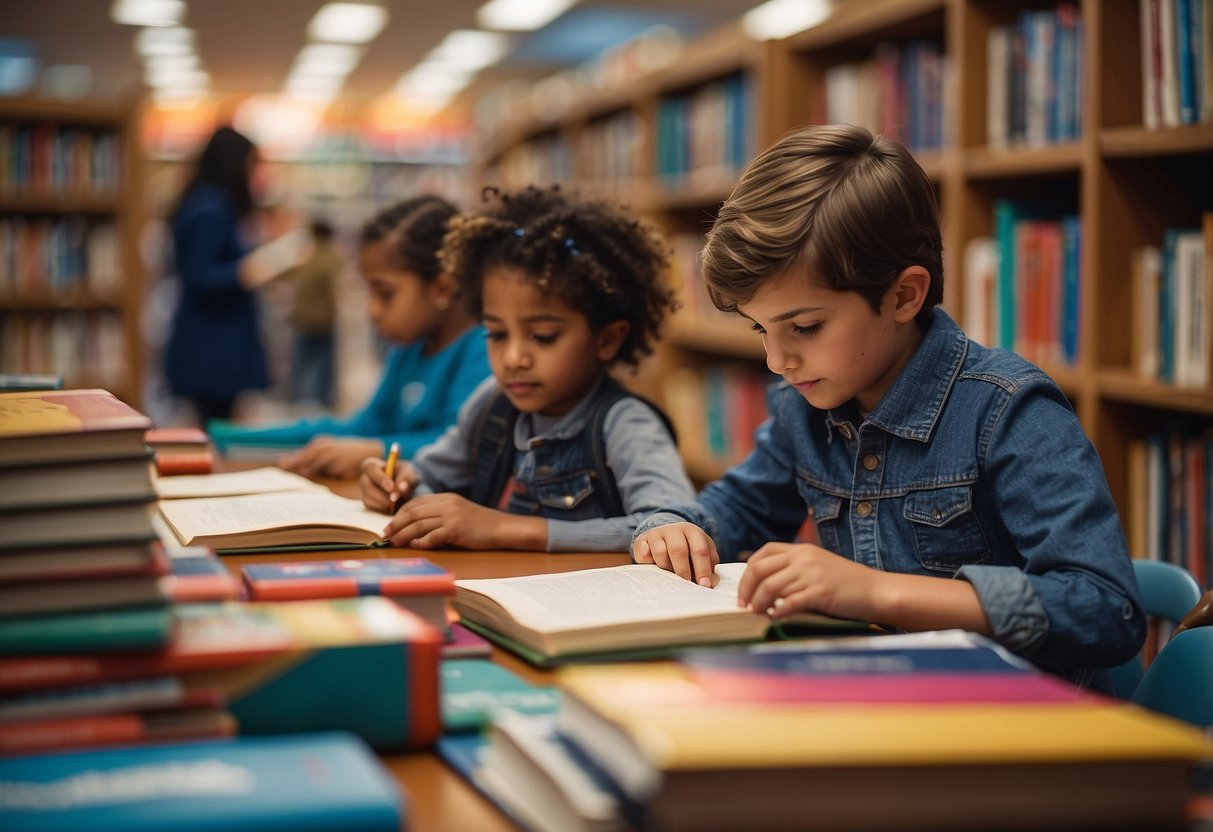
[[474, 690], [462, 643], [197, 574], [284, 667], [301, 783], [68, 425], [93, 631], [346, 579]]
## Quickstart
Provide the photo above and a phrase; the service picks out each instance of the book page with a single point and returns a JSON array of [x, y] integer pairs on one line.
[[598, 597], [257, 481], [211, 516]]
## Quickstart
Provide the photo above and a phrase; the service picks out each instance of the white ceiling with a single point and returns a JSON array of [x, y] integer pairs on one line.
[[247, 46]]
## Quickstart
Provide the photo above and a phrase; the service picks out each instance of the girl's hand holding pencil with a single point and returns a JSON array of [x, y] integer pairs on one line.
[[387, 483]]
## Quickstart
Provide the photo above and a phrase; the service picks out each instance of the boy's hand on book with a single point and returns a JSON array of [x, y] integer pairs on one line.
[[381, 492], [782, 579], [682, 548], [435, 521], [331, 456]]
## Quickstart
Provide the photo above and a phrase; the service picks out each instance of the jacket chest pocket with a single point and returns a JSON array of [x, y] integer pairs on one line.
[[823, 510], [947, 534], [565, 497]]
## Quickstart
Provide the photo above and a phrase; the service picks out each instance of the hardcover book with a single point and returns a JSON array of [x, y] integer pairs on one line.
[[70, 482], [302, 783], [98, 631], [475, 691], [68, 425], [683, 758], [560, 617], [417, 584], [86, 560], [283, 667]]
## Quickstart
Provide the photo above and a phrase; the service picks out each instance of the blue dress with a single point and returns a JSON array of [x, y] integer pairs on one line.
[[215, 348]]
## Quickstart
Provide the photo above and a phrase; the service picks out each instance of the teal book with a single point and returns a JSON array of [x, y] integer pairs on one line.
[[301, 783], [473, 690], [1007, 215], [91, 631]]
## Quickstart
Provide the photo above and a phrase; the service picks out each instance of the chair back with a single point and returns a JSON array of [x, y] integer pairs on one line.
[[1179, 682], [1167, 592]]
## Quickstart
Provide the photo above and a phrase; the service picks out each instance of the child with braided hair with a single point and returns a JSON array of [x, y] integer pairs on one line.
[[437, 359], [552, 453]]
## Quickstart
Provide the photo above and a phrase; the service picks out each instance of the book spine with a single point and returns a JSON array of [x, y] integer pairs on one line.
[[113, 729]]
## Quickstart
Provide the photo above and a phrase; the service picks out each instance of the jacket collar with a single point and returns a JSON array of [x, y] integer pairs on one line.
[[910, 408]]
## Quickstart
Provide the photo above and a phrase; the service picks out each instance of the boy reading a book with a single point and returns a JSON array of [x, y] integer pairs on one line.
[[552, 454], [950, 485]]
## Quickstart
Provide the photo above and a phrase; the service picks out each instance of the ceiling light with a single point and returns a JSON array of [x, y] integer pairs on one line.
[[470, 49], [347, 22], [778, 19], [521, 15], [167, 62], [147, 12], [327, 59], [173, 40]]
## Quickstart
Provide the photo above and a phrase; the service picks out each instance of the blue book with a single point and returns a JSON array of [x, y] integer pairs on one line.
[[1071, 298], [301, 782], [1186, 35]]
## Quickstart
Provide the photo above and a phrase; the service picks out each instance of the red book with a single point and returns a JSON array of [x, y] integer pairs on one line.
[[172, 463], [197, 574], [181, 450], [114, 729]]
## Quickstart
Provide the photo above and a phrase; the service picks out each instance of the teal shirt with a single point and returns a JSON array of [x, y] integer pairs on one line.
[[418, 398]]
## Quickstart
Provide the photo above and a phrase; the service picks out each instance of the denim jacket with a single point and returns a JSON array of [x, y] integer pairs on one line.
[[552, 468], [972, 466]]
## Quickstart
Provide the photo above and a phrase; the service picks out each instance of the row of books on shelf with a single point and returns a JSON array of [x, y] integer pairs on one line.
[[611, 148], [1172, 301], [1170, 500], [898, 92], [1023, 286], [59, 256], [42, 159], [86, 344], [1034, 81], [706, 130], [541, 160], [1176, 62], [717, 410]]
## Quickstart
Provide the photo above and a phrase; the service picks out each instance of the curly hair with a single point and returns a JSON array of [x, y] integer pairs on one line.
[[592, 256], [414, 230]]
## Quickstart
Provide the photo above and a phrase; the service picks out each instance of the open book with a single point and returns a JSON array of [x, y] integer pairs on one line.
[[553, 618], [232, 483], [299, 519]]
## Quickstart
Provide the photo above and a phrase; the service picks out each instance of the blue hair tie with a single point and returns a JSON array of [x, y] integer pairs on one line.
[[519, 232], [571, 246]]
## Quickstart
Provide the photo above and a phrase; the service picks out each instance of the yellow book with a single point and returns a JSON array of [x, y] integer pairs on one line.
[[1092, 763]]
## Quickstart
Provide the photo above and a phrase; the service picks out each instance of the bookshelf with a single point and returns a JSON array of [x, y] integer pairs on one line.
[[1091, 158], [70, 276]]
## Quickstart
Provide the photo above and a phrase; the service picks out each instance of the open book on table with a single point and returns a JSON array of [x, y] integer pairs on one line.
[[631, 610], [317, 519]]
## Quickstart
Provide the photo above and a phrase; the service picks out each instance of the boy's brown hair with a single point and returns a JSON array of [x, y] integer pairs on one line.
[[849, 208]]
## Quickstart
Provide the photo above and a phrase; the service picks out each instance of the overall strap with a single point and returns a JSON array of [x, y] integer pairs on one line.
[[493, 450], [594, 435]]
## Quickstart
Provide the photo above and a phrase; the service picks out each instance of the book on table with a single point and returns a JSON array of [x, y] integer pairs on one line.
[[85, 525], [419, 585], [135, 727], [474, 691], [181, 450], [138, 556], [282, 667], [69, 482], [68, 426], [302, 783], [680, 754], [559, 617], [314, 519], [268, 480]]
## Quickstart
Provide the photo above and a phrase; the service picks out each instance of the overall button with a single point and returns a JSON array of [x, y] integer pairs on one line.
[[863, 509], [871, 462]]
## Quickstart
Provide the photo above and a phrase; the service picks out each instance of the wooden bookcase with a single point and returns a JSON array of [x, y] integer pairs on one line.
[[1125, 183], [70, 275]]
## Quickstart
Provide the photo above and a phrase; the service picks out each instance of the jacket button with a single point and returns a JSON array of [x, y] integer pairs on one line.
[[567, 499], [863, 509], [871, 462]]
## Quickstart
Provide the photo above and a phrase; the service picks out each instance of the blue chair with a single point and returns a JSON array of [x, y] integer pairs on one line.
[[1167, 592], [1179, 682]]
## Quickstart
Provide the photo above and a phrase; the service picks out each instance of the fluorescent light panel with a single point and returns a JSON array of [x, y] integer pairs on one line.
[[778, 19], [173, 40], [347, 22], [327, 59], [147, 12], [470, 49], [521, 15]]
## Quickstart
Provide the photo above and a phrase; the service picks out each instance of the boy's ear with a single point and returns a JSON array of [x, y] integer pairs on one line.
[[610, 339], [909, 293], [443, 286]]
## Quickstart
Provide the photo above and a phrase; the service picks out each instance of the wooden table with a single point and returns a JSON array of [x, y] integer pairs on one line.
[[437, 797]]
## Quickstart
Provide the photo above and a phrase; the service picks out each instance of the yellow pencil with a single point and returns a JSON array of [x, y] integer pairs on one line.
[[393, 455]]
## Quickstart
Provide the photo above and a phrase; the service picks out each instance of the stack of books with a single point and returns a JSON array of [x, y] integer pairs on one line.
[[854, 733], [181, 450]]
